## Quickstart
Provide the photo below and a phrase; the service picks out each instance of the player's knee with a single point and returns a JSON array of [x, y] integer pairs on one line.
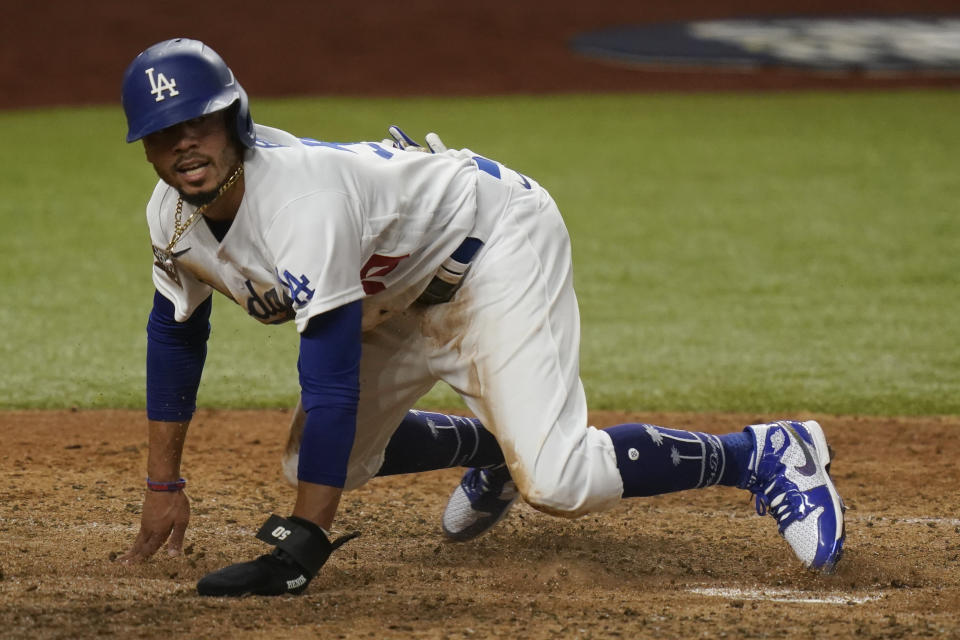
[[586, 481], [556, 498]]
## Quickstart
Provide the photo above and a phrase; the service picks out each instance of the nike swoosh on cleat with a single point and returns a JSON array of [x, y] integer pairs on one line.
[[810, 466]]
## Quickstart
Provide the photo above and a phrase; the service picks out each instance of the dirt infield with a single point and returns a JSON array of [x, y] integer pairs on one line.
[[694, 564]]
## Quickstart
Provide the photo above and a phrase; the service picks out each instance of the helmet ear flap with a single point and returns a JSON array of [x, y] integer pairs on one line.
[[244, 121]]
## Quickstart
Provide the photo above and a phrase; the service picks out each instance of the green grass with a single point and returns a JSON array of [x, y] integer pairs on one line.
[[768, 253]]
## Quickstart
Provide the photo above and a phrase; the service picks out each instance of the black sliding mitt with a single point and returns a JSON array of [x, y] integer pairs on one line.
[[302, 548]]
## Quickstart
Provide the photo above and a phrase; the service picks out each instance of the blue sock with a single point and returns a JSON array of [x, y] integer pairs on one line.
[[654, 460], [427, 441]]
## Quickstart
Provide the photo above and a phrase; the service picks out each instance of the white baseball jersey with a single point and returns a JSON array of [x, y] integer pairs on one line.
[[321, 225]]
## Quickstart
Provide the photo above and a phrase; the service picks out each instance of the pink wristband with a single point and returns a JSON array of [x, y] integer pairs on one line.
[[175, 485]]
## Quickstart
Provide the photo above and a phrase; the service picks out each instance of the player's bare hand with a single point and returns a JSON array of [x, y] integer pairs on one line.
[[164, 519]]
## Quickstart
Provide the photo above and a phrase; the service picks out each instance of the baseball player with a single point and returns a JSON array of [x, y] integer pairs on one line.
[[400, 269]]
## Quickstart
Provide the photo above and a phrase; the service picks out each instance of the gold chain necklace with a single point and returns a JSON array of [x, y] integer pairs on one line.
[[178, 228], [164, 257]]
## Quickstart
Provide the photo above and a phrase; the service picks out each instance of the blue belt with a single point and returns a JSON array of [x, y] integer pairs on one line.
[[450, 275]]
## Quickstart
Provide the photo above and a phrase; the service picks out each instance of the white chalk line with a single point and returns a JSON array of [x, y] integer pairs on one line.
[[783, 595], [954, 522]]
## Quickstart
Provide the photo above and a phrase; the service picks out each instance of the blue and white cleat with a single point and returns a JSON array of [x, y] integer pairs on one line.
[[789, 474], [481, 500]]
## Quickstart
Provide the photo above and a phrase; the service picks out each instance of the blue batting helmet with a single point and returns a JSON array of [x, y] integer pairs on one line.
[[178, 80]]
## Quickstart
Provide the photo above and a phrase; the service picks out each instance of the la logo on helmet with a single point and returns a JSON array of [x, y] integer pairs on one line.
[[160, 84]]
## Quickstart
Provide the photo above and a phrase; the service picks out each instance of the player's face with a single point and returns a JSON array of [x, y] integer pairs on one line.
[[194, 157]]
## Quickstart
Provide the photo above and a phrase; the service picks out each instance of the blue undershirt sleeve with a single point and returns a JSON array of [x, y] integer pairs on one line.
[[329, 367], [176, 352]]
